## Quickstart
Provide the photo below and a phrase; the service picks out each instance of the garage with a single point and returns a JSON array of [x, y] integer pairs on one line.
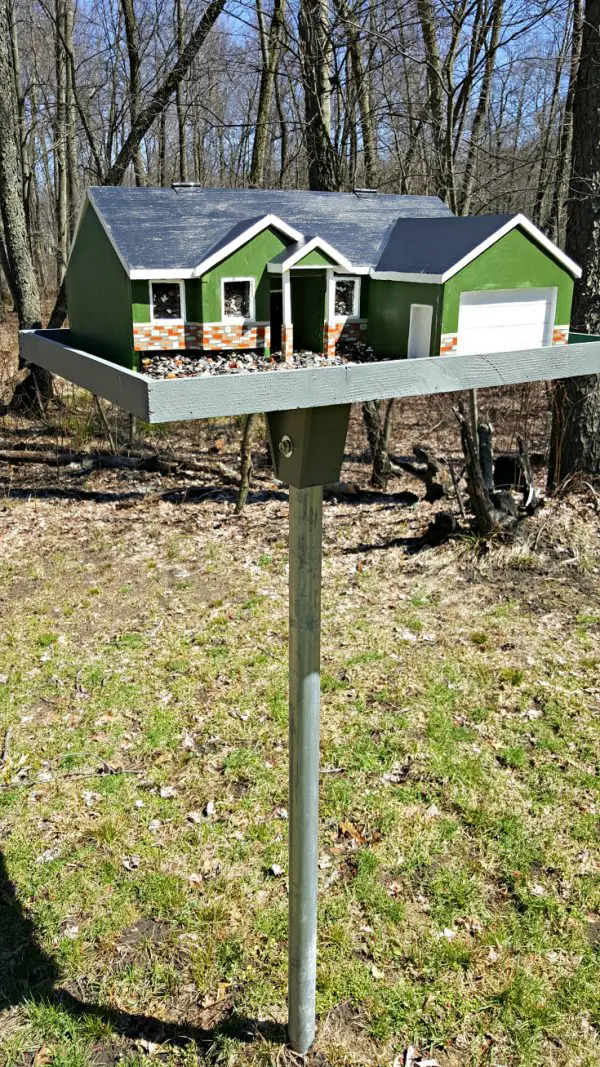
[[505, 320]]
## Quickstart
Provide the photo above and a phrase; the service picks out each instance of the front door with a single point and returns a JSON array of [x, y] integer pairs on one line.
[[276, 317]]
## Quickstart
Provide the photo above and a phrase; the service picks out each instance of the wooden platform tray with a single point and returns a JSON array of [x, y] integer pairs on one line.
[[178, 399]]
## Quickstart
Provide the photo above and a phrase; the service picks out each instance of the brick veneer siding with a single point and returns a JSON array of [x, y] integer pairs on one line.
[[448, 344], [335, 333], [287, 342], [560, 335], [207, 336]]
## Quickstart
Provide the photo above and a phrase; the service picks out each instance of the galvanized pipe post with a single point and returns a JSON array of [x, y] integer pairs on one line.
[[306, 510], [307, 446]]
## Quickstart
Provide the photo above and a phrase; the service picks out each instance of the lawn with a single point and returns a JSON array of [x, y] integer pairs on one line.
[[143, 735]]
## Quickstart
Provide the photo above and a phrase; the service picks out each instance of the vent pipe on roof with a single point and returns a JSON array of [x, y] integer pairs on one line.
[[180, 187]]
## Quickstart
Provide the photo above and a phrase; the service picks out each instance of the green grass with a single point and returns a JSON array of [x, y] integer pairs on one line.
[[459, 817]]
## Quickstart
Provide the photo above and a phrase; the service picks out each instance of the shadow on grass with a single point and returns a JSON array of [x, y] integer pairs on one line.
[[196, 494], [29, 974]]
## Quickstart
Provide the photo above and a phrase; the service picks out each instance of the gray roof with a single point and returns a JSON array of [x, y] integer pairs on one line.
[[165, 229], [434, 245]]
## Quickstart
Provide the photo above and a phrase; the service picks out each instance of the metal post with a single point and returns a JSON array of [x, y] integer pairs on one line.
[[306, 511]]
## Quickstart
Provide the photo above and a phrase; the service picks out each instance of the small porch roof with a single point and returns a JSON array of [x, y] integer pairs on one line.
[[291, 255]]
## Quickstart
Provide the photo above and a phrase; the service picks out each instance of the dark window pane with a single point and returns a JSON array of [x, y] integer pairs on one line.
[[166, 300], [236, 300], [344, 296]]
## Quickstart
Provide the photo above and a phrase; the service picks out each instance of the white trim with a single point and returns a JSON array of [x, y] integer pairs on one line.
[[243, 238], [519, 220], [353, 270], [405, 276], [173, 275], [239, 320], [329, 274], [166, 322], [300, 253], [286, 290], [356, 302], [428, 307]]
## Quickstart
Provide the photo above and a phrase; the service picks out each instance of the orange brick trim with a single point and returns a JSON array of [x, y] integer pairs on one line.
[[560, 335], [336, 332], [448, 344], [287, 342], [208, 336]]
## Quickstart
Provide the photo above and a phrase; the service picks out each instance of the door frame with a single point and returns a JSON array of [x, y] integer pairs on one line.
[[419, 307]]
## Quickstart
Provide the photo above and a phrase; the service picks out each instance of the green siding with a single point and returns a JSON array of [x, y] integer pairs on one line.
[[140, 301], [99, 295], [514, 262], [249, 261], [315, 259], [309, 292], [193, 300], [365, 282], [389, 315]]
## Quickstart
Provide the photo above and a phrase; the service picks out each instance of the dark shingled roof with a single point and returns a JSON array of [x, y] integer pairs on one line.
[[434, 245], [162, 229]]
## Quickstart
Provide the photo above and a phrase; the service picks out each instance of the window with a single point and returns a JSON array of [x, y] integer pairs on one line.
[[237, 299], [346, 299], [167, 301]]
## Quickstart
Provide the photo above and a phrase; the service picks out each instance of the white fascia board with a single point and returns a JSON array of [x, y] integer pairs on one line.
[[108, 233], [323, 246], [242, 239], [178, 274], [537, 235], [402, 276], [353, 270]]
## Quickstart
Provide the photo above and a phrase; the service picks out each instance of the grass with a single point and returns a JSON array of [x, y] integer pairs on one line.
[[459, 899]]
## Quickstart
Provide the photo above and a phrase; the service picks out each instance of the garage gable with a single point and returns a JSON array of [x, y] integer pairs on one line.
[[514, 271]]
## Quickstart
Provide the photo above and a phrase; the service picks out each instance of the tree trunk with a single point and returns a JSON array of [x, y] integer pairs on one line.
[[563, 163], [179, 97], [131, 38], [575, 443], [360, 77], [378, 434], [270, 45], [482, 106], [60, 144], [245, 462], [36, 389], [315, 40]]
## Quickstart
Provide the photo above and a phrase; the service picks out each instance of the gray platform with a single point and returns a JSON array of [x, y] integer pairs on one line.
[[178, 399]]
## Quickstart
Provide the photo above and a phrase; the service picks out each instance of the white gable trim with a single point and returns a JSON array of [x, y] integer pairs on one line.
[[300, 253], [537, 235], [518, 221], [243, 238]]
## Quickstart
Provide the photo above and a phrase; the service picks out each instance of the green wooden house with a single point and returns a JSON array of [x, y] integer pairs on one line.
[[228, 269]]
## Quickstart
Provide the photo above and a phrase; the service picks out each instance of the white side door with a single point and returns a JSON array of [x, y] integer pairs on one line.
[[505, 320], [419, 331]]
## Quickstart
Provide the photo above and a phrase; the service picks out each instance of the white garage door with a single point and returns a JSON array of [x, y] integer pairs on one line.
[[505, 320]]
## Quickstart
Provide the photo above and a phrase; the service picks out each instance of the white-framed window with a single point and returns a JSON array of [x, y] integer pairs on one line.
[[346, 297], [237, 299], [167, 301]]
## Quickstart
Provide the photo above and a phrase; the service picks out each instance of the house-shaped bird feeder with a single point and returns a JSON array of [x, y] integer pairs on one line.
[[179, 300], [190, 271]]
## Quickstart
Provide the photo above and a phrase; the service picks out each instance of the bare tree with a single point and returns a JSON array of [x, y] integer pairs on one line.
[[576, 410]]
